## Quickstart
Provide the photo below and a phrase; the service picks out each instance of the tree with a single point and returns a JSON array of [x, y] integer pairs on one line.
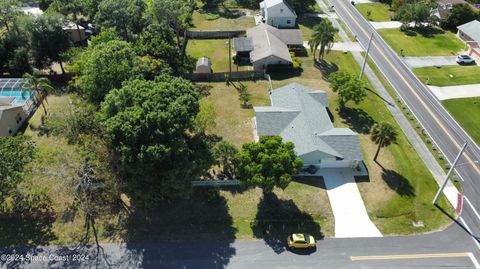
[[460, 14], [348, 86], [73, 10], [105, 66], [205, 119], [16, 153], [224, 153], [124, 16], [323, 36], [148, 126], [301, 6], [9, 12], [243, 95], [48, 40], [383, 134], [267, 163], [396, 4], [40, 86]]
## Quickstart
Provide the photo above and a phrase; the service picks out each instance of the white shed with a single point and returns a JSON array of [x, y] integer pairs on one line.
[[204, 66]]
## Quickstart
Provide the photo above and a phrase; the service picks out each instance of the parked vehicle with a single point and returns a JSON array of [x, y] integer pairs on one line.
[[301, 240], [465, 59]]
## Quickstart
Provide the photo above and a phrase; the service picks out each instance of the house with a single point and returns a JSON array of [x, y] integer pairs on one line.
[[299, 115], [204, 66], [444, 6], [15, 105], [271, 46], [278, 13], [470, 34]]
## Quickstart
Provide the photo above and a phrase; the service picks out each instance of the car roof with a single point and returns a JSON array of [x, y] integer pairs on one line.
[[299, 236]]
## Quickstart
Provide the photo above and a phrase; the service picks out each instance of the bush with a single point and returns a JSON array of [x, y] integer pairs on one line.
[[211, 16]]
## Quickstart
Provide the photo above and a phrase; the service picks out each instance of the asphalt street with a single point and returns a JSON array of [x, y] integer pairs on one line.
[[445, 132]]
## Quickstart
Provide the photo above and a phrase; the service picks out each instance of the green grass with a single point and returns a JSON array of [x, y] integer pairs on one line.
[[438, 44], [449, 75], [467, 112], [214, 21], [216, 50], [401, 191], [379, 11]]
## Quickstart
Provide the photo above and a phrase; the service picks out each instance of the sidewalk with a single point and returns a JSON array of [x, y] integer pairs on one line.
[[341, 46]]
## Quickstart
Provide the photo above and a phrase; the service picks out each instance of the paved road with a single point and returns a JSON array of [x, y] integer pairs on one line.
[[441, 127]]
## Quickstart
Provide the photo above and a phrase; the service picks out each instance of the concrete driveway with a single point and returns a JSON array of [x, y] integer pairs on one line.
[[452, 92], [415, 62]]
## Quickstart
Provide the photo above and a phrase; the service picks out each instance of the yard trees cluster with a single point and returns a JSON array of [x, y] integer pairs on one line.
[[267, 164], [460, 14], [417, 12], [148, 124], [348, 86]]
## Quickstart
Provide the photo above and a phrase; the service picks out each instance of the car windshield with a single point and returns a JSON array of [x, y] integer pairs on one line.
[[465, 56], [306, 238]]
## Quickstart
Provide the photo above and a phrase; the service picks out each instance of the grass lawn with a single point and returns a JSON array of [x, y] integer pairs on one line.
[[467, 112], [400, 187], [437, 44], [449, 75], [306, 24], [213, 21], [379, 11], [216, 50]]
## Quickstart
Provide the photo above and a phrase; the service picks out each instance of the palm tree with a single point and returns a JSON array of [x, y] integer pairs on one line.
[[383, 134], [40, 86], [224, 153], [322, 36]]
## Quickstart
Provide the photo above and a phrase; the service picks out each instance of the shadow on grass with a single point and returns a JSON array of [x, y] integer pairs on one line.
[[308, 21], [202, 217], [325, 68], [311, 181], [276, 219], [397, 182], [357, 119], [424, 31], [284, 74]]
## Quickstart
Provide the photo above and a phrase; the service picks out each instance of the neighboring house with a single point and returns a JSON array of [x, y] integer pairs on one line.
[[299, 115], [270, 45], [204, 66], [15, 105], [444, 6], [278, 13], [470, 33]]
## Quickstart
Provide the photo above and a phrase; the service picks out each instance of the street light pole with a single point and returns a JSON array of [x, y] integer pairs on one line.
[[449, 173], [366, 56]]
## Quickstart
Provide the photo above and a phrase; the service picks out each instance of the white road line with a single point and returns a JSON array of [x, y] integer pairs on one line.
[[470, 231], [470, 204], [474, 260]]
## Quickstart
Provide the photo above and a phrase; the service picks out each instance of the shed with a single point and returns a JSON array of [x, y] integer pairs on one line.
[[204, 66]]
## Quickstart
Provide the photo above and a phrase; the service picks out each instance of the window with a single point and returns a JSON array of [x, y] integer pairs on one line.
[[289, 21], [281, 10]]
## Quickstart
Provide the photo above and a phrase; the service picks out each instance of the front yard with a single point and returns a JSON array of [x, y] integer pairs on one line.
[[449, 75], [429, 43], [379, 11], [467, 112]]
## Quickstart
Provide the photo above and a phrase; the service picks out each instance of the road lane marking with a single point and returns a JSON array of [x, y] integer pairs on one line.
[[474, 260], [470, 231], [410, 87], [410, 256], [473, 208]]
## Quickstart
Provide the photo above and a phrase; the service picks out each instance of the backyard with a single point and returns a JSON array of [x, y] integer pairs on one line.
[[379, 11], [433, 42], [449, 75], [216, 50], [467, 112]]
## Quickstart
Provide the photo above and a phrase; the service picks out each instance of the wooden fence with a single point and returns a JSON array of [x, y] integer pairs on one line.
[[215, 183], [214, 34], [224, 76]]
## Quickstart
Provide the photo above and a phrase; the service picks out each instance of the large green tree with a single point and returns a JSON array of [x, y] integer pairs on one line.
[[348, 86], [105, 66], [224, 153], [460, 14], [383, 134], [40, 86], [301, 6], [48, 40], [267, 163], [323, 36], [15, 153], [149, 126], [126, 17]]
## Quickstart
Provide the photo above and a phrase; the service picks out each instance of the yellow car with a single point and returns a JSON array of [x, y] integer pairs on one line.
[[300, 240]]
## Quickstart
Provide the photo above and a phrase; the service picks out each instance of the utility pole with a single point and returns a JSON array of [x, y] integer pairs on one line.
[[449, 173], [230, 57], [366, 56]]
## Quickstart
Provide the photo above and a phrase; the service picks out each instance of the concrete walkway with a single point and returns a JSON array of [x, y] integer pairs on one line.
[[321, 15], [415, 62], [452, 92], [386, 24], [351, 217], [341, 46]]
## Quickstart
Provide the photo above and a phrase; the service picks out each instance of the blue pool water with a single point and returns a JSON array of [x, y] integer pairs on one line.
[[20, 98]]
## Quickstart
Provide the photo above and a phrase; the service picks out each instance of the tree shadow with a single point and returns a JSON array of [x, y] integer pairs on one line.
[[276, 219], [325, 68], [315, 181], [202, 217], [308, 22], [397, 182], [357, 119]]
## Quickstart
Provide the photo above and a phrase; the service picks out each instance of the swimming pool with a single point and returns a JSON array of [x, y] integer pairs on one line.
[[21, 96]]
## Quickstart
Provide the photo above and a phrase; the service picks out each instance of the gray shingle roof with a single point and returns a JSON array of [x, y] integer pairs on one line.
[[472, 29], [299, 115], [242, 44]]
